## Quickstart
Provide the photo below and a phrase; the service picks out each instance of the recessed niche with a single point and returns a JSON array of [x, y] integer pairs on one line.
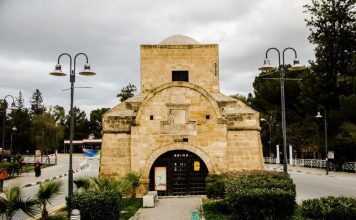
[[151, 117], [185, 139], [207, 117]]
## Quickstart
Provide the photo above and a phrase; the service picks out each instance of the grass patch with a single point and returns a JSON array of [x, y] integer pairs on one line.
[[130, 207]]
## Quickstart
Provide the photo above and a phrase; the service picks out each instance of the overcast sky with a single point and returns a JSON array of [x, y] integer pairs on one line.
[[33, 34]]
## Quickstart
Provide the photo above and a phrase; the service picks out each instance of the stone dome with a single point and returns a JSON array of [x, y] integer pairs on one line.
[[178, 40]]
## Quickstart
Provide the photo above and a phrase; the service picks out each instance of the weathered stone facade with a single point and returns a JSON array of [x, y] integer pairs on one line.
[[176, 115]]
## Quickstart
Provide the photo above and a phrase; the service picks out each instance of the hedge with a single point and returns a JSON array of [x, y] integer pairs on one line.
[[260, 195], [215, 186], [98, 205], [341, 208]]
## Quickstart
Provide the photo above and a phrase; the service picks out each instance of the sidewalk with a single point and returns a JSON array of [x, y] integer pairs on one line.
[[308, 170], [172, 208], [48, 173]]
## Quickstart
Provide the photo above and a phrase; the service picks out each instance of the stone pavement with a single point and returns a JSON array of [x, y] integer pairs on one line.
[[48, 173], [172, 208], [307, 170]]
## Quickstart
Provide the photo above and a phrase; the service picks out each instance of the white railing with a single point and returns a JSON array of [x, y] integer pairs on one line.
[[270, 160], [349, 166], [312, 163], [51, 159]]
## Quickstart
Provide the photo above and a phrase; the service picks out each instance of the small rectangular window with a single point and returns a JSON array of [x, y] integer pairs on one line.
[[207, 116], [185, 139], [151, 117], [180, 76]]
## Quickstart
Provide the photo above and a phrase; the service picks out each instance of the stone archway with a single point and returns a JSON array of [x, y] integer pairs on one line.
[[177, 173], [176, 146]]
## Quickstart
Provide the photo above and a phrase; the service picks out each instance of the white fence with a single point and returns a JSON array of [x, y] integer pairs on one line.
[[349, 166], [314, 163], [51, 159]]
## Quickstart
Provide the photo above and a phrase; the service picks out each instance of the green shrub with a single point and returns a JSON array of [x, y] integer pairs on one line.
[[260, 195], [216, 209], [215, 186], [329, 208], [96, 204]]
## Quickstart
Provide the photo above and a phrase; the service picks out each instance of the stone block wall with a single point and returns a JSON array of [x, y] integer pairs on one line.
[[244, 150], [115, 158], [201, 60]]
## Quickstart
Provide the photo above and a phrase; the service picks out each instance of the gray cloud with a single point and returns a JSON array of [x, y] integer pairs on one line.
[[33, 34]]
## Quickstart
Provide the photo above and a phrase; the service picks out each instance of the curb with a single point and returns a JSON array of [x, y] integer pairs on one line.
[[56, 177]]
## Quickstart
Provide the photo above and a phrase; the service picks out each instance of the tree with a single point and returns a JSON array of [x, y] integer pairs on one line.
[[81, 125], [240, 97], [36, 101], [58, 114], [20, 101], [14, 200], [267, 100], [47, 192], [127, 92], [96, 124], [45, 132], [333, 25], [99, 184], [21, 119]]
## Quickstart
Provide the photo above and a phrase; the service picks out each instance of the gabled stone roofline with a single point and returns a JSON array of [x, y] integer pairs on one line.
[[153, 92]]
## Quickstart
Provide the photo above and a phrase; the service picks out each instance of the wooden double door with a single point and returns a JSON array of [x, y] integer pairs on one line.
[[177, 173]]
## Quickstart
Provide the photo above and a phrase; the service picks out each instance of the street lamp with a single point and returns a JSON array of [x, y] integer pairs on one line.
[[267, 67], [4, 107], [58, 72], [318, 115], [14, 129]]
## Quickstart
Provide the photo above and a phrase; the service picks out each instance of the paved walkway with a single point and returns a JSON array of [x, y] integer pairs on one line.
[[171, 208], [314, 171]]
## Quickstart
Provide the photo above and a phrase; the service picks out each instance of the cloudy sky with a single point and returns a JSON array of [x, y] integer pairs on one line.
[[33, 34]]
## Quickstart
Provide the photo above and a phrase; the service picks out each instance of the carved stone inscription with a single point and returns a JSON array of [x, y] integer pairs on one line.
[[178, 123]]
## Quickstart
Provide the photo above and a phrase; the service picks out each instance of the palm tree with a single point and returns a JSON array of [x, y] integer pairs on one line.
[[46, 193], [14, 200], [134, 179], [93, 183]]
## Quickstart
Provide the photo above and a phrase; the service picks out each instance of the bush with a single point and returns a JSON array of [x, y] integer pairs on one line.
[[260, 195], [215, 186], [96, 204], [216, 209], [329, 208]]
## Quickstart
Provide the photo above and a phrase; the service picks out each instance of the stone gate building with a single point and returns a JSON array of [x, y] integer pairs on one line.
[[180, 127]]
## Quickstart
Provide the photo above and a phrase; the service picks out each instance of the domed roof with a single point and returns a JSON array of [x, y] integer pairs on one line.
[[178, 40]]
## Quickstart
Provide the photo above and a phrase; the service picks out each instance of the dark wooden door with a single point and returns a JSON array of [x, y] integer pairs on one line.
[[182, 178]]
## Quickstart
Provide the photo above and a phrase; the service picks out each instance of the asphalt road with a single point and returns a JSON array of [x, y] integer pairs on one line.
[[311, 186]]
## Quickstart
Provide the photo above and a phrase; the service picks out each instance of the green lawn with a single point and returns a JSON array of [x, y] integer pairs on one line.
[[130, 207]]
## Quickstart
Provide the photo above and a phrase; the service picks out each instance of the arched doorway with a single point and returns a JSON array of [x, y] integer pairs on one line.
[[178, 172]]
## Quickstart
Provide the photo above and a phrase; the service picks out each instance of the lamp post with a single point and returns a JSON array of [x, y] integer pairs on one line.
[[4, 106], [318, 115], [267, 67], [58, 72], [13, 129]]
